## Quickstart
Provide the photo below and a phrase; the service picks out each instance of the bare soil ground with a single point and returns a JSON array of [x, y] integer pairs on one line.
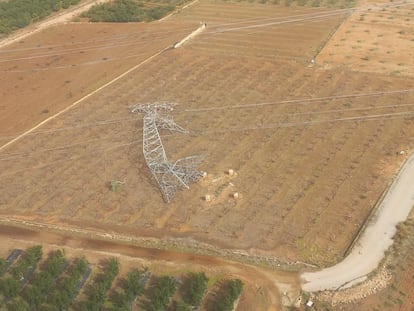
[[308, 172], [47, 71], [377, 40]]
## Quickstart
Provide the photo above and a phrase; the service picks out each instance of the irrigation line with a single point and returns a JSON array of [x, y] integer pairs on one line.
[[118, 37], [387, 116], [79, 126], [30, 154], [90, 63], [5, 173], [264, 127], [196, 133], [74, 51], [288, 19], [303, 101], [281, 22]]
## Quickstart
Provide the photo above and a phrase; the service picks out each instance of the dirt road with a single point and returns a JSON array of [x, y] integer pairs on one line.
[[266, 281], [376, 239], [60, 18]]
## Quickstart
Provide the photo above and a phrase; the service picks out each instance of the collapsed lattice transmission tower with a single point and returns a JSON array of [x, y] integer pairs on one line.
[[170, 176]]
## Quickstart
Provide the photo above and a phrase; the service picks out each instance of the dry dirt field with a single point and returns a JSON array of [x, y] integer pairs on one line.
[[377, 40], [47, 71], [310, 161]]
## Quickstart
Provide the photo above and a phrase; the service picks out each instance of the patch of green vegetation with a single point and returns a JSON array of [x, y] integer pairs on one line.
[[229, 292], [309, 3], [16, 14], [196, 286], [124, 11]]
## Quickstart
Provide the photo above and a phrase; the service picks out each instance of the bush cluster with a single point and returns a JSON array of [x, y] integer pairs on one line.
[[132, 286], [229, 293], [160, 295], [44, 280], [16, 14], [97, 291], [123, 11], [62, 296]]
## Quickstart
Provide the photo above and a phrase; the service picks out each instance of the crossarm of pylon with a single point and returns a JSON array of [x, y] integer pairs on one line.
[[168, 123], [153, 107]]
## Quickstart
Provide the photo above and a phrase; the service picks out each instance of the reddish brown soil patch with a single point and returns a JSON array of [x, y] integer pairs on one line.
[[49, 70]]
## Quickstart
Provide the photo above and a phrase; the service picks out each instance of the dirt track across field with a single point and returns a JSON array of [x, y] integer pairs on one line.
[[56, 19]]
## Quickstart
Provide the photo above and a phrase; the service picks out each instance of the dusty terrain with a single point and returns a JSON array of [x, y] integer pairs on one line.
[[48, 71], [377, 40], [308, 170]]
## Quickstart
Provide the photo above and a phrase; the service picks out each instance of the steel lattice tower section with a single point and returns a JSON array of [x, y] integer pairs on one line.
[[170, 176]]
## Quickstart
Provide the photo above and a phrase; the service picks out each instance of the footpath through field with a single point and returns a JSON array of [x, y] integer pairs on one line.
[[61, 17], [375, 240]]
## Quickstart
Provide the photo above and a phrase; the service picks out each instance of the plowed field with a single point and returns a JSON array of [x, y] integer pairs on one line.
[[312, 148]]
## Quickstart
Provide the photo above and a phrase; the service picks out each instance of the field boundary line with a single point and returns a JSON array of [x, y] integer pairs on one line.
[[178, 10], [52, 20], [373, 211], [83, 98], [190, 36]]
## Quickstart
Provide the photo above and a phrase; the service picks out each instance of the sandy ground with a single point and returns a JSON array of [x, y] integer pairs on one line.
[[51, 70], [374, 241], [377, 40], [302, 139]]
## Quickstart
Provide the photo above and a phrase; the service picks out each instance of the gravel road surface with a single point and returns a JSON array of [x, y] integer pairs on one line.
[[374, 241]]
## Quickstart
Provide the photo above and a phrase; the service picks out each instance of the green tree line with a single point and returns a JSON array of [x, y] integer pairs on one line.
[[229, 292], [131, 287], [44, 280], [123, 11], [10, 284], [16, 14], [160, 294], [97, 291], [63, 294]]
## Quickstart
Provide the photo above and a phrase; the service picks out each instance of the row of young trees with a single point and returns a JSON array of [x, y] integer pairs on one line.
[[123, 11], [68, 286], [229, 292], [44, 280], [97, 291], [3, 266], [11, 284], [161, 293], [57, 282], [52, 287], [15, 14], [131, 287]]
